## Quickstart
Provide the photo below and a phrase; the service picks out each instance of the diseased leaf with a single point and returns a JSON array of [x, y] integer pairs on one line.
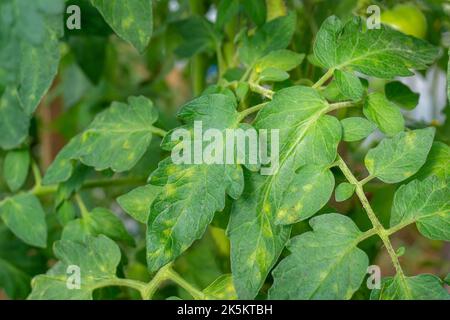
[[14, 122], [222, 288], [324, 264], [437, 163], [398, 158], [116, 139], [15, 168], [383, 53], [349, 85], [402, 95], [137, 202], [30, 49], [356, 128], [308, 192], [307, 137], [24, 216], [191, 193], [344, 191], [132, 20], [421, 287], [385, 114], [426, 203], [97, 260]]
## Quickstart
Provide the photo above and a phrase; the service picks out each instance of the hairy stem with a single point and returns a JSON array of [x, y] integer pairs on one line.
[[147, 290], [245, 113], [46, 190], [380, 230], [158, 131], [324, 79], [261, 90]]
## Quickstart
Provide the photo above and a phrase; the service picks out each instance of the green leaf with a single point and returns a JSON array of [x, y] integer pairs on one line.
[[116, 139], [138, 201], [24, 216], [356, 129], [98, 221], [131, 20], [324, 264], [421, 287], [437, 162], [426, 203], [191, 193], [398, 158], [65, 213], [349, 84], [385, 114], [16, 265], [273, 35], [14, 122], [226, 11], [97, 260], [383, 53], [273, 74], [198, 36], [222, 288], [402, 95], [15, 168], [344, 191], [256, 10], [306, 137], [283, 59]]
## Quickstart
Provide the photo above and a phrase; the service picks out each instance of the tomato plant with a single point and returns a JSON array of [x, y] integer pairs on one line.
[[104, 194]]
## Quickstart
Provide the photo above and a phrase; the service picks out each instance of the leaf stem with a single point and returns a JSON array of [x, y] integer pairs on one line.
[[380, 230], [324, 79], [194, 292], [36, 174], [147, 290], [84, 211], [267, 93], [342, 105], [46, 190], [245, 113], [158, 131]]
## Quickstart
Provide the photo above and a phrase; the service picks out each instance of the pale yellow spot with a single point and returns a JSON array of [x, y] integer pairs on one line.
[[171, 170], [266, 207], [307, 187], [126, 23], [322, 275], [298, 206], [189, 172], [167, 232], [294, 189], [282, 214], [126, 145], [170, 189], [410, 138], [258, 69], [131, 156]]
